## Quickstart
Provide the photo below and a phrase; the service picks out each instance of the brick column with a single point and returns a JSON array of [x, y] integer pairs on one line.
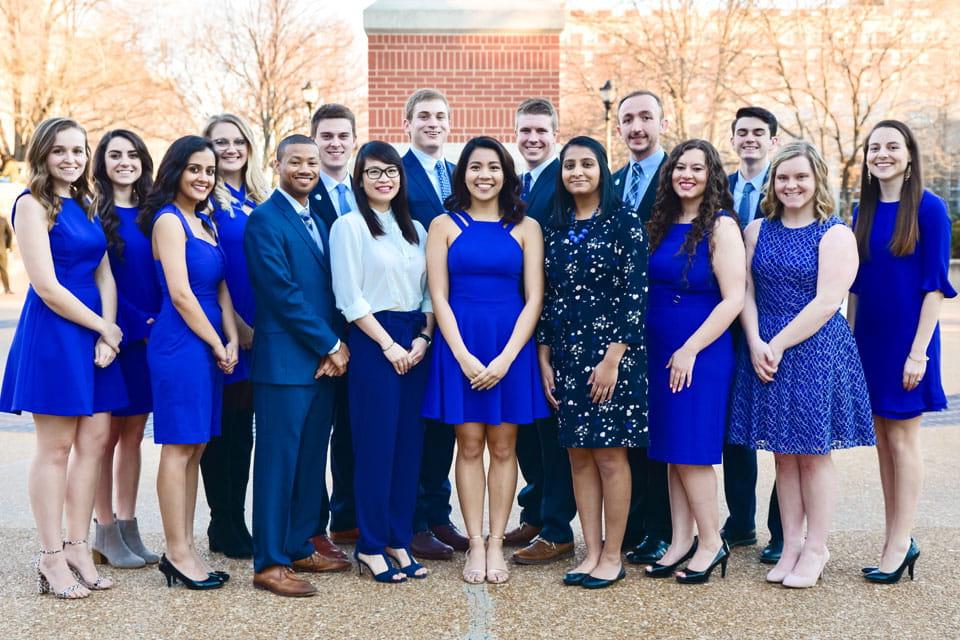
[[486, 57]]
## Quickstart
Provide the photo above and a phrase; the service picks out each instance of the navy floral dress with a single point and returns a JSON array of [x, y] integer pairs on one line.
[[596, 293]]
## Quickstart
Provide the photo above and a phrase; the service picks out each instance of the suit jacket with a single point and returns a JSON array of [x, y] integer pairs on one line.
[[646, 202], [321, 204], [422, 198], [296, 318], [540, 198], [734, 178]]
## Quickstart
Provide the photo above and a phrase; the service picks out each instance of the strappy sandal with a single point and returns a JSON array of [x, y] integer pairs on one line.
[[72, 592], [475, 575], [497, 576], [100, 584]]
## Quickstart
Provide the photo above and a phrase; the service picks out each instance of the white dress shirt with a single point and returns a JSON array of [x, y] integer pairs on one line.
[[383, 273], [429, 164], [535, 173], [330, 184], [756, 181]]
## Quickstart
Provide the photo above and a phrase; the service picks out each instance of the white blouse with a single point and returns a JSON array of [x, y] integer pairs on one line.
[[385, 273]]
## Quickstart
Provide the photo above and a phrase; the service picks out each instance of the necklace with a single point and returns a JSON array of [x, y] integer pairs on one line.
[[577, 238]]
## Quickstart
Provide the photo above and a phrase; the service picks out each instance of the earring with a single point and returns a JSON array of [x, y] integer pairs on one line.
[[906, 175]]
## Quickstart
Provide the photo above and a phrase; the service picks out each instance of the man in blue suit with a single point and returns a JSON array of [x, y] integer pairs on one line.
[[297, 355], [546, 502], [640, 123], [427, 122], [334, 128], [753, 137]]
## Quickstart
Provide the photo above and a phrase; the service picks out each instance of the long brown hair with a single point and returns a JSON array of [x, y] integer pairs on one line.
[[667, 208], [40, 183], [824, 206], [906, 231]]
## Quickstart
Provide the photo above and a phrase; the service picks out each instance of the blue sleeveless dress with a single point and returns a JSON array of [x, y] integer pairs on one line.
[[686, 427], [138, 301], [187, 384], [50, 367], [818, 399], [485, 265]]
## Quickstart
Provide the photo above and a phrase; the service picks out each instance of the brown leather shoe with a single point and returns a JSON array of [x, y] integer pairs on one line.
[[281, 580], [316, 563], [449, 534], [521, 536], [426, 545], [325, 547], [347, 536], [542, 551]]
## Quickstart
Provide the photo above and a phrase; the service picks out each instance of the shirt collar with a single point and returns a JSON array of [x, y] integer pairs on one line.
[[298, 208], [651, 163], [756, 181], [330, 183], [535, 173], [428, 162]]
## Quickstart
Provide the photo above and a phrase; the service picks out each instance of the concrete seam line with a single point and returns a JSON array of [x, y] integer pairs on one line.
[[480, 608]]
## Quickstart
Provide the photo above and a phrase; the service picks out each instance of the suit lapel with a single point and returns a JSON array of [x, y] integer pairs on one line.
[[619, 178], [301, 230], [417, 176], [646, 203]]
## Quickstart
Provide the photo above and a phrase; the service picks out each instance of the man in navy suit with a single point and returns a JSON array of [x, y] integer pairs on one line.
[[334, 128], [753, 137], [427, 122], [297, 354], [640, 123], [546, 502]]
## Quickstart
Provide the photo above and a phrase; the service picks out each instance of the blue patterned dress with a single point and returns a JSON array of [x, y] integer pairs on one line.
[[818, 399]]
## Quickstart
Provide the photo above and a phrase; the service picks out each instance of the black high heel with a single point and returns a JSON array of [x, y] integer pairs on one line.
[[894, 576], [657, 570], [700, 577], [222, 576], [173, 575]]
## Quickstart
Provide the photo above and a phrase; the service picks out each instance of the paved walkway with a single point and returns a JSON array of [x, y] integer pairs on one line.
[[534, 604]]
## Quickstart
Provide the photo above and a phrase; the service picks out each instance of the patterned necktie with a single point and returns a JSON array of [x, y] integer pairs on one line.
[[342, 204], [311, 229], [745, 211], [527, 183], [634, 195], [444, 179]]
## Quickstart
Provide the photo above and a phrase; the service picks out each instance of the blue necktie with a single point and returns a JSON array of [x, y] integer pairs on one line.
[[444, 179], [311, 229], [342, 202], [745, 211], [527, 183], [634, 195]]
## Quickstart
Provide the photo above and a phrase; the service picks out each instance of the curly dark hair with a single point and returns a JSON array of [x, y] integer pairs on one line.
[[103, 202], [667, 208], [167, 183]]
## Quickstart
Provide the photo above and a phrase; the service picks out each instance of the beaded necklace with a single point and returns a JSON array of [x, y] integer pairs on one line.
[[576, 238]]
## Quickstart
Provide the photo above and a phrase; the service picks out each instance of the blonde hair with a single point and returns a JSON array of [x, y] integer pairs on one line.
[[824, 206], [258, 187], [423, 95], [40, 182]]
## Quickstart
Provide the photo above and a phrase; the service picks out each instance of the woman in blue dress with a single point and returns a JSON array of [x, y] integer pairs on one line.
[[484, 265], [697, 278], [193, 343], [591, 349], [123, 175], [903, 236], [61, 363], [799, 389], [225, 465]]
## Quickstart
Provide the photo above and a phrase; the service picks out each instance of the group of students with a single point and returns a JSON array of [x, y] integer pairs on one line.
[[588, 328]]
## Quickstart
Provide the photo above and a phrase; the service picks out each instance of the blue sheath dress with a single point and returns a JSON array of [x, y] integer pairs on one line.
[[686, 427], [818, 399], [50, 366], [138, 302], [890, 291], [485, 264], [187, 384]]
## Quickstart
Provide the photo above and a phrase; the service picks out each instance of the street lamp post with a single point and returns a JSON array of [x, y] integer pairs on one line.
[[607, 95], [311, 95]]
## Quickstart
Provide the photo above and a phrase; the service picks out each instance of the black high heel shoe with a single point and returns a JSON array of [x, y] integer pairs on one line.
[[657, 570], [894, 576], [174, 575], [411, 569], [700, 577], [222, 576]]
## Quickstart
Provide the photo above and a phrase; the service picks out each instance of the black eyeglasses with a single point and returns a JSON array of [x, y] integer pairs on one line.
[[374, 173], [223, 143]]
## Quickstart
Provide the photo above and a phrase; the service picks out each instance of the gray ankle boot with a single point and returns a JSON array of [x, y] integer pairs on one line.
[[131, 536], [108, 546]]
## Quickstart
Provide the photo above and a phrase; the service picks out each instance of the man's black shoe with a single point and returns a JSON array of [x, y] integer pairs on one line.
[[771, 552], [648, 551], [739, 539]]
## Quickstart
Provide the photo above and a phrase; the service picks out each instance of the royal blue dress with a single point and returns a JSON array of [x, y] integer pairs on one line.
[[485, 266], [187, 384], [818, 398], [890, 291], [230, 228], [50, 367], [596, 293], [138, 303], [686, 427]]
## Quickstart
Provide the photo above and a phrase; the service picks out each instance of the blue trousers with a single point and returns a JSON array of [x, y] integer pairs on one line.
[[339, 509], [649, 499], [290, 462], [530, 459], [558, 506], [387, 434], [740, 491], [433, 495]]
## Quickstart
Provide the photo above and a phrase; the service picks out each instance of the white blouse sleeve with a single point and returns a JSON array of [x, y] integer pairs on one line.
[[426, 305], [346, 262]]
